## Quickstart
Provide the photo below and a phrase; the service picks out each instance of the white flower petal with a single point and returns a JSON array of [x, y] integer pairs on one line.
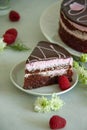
[[2, 44]]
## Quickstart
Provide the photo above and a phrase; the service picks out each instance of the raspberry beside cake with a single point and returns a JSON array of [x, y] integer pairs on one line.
[[73, 24], [46, 62]]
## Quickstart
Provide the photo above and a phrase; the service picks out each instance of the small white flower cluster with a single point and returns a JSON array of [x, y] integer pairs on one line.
[[2, 44], [81, 67], [42, 104]]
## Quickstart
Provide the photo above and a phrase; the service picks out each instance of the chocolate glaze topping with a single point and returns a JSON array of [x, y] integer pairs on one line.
[[75, 10], [46, 51]]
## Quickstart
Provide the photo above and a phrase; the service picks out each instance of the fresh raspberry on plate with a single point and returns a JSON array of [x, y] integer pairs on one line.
[[9, 38], [57, 122], [14, 16], [12, 31], [64, 82]]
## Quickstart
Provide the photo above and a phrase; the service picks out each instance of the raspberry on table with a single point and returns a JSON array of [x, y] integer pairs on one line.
[[57, 122], [14, 16], [9, 38], [12, 31]]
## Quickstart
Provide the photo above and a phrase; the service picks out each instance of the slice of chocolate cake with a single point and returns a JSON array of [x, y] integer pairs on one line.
[[45, 64]]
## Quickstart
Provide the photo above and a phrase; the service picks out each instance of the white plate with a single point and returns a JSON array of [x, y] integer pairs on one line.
[[17, 78], [49, 26]]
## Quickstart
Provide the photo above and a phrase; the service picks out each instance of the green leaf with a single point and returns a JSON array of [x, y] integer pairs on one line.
[[18, 46]]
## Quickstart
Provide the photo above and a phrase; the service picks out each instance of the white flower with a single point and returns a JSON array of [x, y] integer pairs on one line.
[[82, 72], [81, 68], [56, 102], [2, 44], [42, 104]]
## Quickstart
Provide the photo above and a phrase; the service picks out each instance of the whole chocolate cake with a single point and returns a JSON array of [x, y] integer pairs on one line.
[[73, 24], [46, 62]]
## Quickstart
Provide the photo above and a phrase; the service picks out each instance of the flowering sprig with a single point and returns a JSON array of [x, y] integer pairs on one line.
[[43, 104], [79, 64]]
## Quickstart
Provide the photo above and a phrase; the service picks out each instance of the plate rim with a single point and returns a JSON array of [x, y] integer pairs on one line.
[[38, 93], [72, 51]]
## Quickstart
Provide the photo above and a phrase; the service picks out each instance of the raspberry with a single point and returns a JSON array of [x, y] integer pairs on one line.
[[9, 38], [12, 31], [14, 16], [63, 82], [57, 122]]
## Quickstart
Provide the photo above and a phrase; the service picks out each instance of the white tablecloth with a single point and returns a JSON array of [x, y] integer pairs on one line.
[[16, 107]]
